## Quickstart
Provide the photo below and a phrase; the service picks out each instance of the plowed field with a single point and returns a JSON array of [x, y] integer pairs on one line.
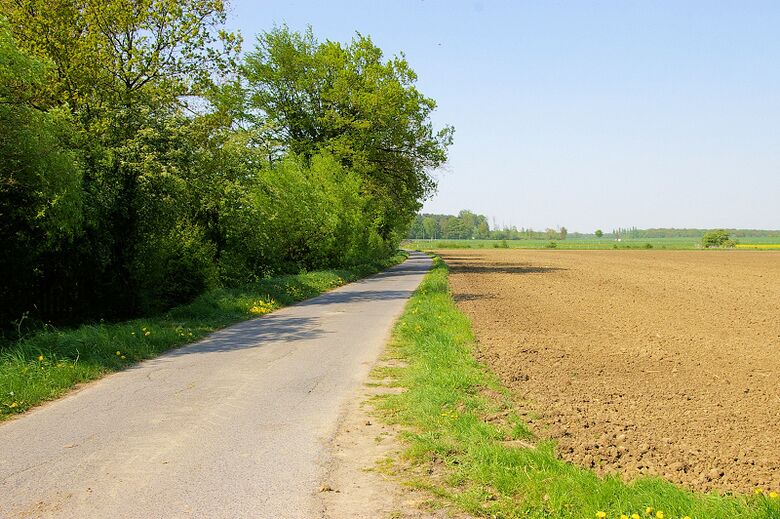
[[660, 363]]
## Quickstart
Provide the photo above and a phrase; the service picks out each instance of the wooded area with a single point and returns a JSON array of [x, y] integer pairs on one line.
[[145, 159]]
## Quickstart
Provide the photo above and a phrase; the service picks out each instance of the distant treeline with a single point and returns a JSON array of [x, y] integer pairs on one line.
[[467, 226], [633, 232]]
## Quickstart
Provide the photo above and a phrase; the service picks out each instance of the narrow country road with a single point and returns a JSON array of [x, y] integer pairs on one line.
[[234, 426]]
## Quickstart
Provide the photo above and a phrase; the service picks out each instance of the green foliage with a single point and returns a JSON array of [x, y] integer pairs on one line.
[[717, 238], [599, 233], [40, 173], [173, 267], [145, 164], [466, 225], [468, 446], [551, 245], [362, 109]]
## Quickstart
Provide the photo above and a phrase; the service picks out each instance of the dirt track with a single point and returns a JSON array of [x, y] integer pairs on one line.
[[638, 362]]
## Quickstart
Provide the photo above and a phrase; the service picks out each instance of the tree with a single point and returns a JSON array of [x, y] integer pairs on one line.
[[599, 233], [717, 238], [431, 225], [40, 175], [127, 73], [564, 232], [351, 102]]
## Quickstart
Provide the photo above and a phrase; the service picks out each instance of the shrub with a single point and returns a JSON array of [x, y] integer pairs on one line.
[[173, 268], [551, 245], [716, 238]]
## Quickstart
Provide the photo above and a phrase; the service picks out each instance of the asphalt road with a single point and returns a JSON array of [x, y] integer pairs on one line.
[[234, 426]]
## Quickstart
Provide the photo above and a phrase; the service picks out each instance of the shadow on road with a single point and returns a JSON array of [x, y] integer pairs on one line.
[[281, 327]]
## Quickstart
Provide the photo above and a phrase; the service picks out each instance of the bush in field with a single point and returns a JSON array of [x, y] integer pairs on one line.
[[551, 245], [599, 233], [717, 238]]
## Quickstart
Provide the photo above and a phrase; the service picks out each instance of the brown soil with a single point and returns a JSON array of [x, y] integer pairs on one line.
[[638, 362]]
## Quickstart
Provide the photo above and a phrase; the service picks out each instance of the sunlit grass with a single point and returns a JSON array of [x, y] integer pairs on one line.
[[468, 446], [49, 363]]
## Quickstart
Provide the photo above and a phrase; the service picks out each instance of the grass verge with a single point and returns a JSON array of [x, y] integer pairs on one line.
[[467, 444], [45, 365]]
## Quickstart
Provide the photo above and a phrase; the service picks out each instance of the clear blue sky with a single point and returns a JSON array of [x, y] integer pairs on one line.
[[586, 114]]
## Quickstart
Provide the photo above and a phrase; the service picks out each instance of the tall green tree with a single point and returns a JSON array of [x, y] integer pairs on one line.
[[353, 103], [132, 74], [40, 174]]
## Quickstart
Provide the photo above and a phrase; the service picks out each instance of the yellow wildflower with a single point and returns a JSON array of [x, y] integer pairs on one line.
[[634, 516], [147, 333], [623, 516], [757, 491], [687, 517], [123, 357], [659, 515], [13, 404], [40, 358], [773, 495], [601, 515], [118, 353], [649, 510]]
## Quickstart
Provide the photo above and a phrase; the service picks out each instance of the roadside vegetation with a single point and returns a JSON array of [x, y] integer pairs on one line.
[[147, 161], [468, 446], [48, 363]]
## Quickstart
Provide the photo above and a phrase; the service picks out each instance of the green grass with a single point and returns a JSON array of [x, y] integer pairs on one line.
[[460, 425], [575, 243], [46, 364]]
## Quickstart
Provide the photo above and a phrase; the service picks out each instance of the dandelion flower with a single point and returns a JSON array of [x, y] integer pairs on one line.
[[40, 358], [13, 404], [687, 517], [659, 515], [623, 516], [634, 516], [757, 491], [649, 510], [601, 515], [118, 353], [123, 357], [773, 495]]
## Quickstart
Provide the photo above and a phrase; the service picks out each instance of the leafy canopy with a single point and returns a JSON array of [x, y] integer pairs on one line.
[[348, 100]]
